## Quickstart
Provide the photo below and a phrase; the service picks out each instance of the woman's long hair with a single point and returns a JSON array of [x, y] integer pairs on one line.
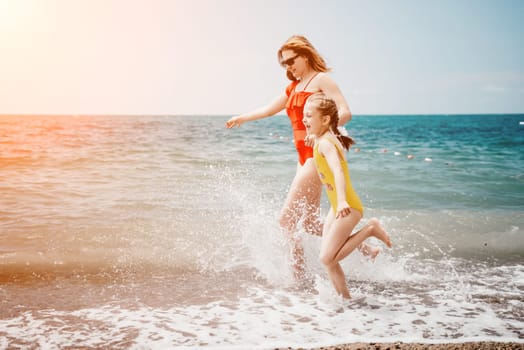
[[301, 46], [327, 106]]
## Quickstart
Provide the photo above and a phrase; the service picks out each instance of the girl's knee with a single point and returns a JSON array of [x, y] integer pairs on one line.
[[326, 259], [372, 224]]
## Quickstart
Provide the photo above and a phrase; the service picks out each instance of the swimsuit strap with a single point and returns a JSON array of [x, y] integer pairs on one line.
[[305, 87], [337, 145]]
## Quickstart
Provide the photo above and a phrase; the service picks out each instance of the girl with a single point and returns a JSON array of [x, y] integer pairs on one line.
[[307, 71], [321, 121]]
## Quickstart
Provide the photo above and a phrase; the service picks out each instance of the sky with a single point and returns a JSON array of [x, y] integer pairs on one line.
[[219, 57]]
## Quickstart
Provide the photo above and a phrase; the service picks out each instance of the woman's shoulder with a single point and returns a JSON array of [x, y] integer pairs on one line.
[[324, 78], [323, 82]]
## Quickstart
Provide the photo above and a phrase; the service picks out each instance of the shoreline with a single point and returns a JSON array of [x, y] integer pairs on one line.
[[473, 345]]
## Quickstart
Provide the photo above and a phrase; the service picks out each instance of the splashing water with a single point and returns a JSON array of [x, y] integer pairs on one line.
[[142, 232]]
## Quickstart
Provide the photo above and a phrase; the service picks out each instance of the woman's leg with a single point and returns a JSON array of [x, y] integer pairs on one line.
[[369, 250], [302, 199], [311, 209]]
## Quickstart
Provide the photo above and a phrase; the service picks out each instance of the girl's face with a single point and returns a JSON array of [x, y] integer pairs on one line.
[[294, 63], [316, 124]]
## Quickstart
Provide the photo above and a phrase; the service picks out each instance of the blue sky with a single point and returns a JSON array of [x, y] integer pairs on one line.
[[219, 56]]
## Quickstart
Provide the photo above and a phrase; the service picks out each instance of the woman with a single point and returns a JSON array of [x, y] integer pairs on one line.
[[307, 71]]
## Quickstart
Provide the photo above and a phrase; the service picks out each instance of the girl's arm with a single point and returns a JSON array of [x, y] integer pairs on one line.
[[267, 111], [333, 159], [331, 90]]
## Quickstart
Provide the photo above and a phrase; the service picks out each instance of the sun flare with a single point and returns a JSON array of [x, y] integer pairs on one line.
[[14, 14]]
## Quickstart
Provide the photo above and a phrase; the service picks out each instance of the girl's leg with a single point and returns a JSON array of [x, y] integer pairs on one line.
[[309, 208], [303, 201], [303, 198], [372, 228], [335, 236], [336, 244]]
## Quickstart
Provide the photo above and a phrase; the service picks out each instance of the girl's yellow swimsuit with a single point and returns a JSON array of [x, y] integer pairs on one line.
[[328, 179]]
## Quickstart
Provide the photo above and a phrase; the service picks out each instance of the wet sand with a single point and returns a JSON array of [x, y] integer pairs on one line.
[[420, 346]]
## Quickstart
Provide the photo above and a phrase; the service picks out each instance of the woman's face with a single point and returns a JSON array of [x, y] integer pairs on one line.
[[294, 63]]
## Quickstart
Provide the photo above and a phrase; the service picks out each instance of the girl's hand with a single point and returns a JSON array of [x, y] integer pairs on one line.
[[235, 121], [309, 140], [343, 210]]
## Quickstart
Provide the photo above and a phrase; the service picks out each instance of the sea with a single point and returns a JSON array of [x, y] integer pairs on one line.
[[153, 232]]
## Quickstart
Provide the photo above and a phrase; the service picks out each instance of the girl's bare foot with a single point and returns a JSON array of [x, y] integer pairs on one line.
[[379, 232]]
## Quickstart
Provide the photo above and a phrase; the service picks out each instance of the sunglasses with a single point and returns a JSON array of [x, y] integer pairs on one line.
[[289, 62]]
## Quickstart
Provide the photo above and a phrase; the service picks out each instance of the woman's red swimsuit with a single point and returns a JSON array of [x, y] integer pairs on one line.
[[295, 111]]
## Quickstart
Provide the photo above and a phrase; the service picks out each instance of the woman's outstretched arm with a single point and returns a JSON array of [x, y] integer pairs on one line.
[[263, 112]]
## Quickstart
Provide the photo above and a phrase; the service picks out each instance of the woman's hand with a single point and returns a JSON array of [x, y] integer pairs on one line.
[[343, 210], [235, 121]]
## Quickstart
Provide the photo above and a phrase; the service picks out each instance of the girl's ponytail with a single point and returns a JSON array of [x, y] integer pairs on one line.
[[328, 107], [345, 140]]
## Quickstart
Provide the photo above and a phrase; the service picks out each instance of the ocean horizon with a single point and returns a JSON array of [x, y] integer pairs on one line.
[[223, 115], [151, 231]]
